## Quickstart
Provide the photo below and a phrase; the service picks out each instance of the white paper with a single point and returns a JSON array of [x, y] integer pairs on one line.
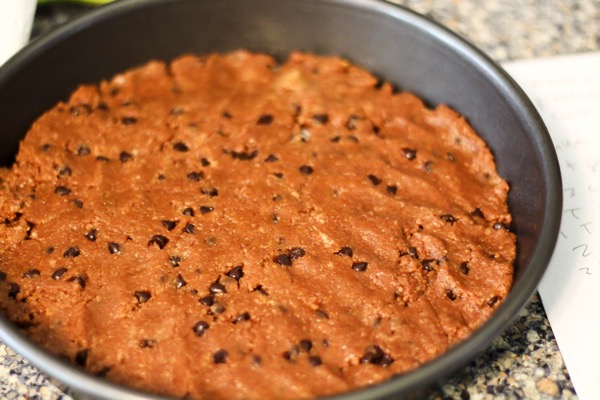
[[16, 18], [566, 91]]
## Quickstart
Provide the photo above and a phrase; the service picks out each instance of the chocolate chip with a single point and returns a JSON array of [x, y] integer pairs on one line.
[[492, 302], [306, 345], [159, 240], [77, 203], [175, 260], [450, 157], [65, 171], [256, 360], [296, 252], [375, 355], [180, 282], [236, 272], [392, 189], [283, 259], [62, 190], [81, 280], [278, 175], [211, 192], [147, 343], [275, 218], [200, 328], [427, 166], [181, 147], [50, 250], [241, 318], [204, 162], [13, 290], [306, 170], [102, 106], [321, 118], [345, 251], [360, 266], [216, 308], [207, 300], [451, 295], [103, 372], [206, 209], [91, 235], [260, 289], [125, 156], [30, 227], [325, 343], [376, 129], [189, 228], [448, 218], [322, 314], [271, 158], [2, 276], [244, 155], [335, 139], [315, 361], [220, 356], [374, 180], [411, 154], [72, 252], [81, 357], [142, 296], [189, 211], [129, 120], [428, 264], [32, 273], [114, 248], [59, 273], [464, 268], [477, 213], [46, 147], [265, 119], [195, 176], [217, 288], [500, 225], [413, 252], [291, 354], [170, 225], [102, 158], [83, 151], [226, 115]]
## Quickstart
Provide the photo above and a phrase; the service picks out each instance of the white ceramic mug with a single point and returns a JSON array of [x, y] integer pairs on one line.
[[16, 18]]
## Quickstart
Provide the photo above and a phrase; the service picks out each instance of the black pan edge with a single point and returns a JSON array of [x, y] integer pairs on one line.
[[407, 383]]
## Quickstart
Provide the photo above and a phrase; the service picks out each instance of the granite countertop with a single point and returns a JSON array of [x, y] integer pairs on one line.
[[525, 361]]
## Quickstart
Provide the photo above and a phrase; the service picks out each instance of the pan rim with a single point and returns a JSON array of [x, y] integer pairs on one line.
[[427, 373]]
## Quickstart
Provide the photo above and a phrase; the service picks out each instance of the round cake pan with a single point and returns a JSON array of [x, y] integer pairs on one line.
[[407, 49]]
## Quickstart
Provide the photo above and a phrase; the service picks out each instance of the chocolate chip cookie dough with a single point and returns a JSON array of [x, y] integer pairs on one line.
[[227, 227]]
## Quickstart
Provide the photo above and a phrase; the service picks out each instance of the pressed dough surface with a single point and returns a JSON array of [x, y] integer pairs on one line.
[[227, 227]]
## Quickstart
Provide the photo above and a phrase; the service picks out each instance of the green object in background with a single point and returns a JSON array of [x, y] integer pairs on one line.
[[88, 2]]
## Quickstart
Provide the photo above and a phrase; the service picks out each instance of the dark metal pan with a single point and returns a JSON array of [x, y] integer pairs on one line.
[[405, 48]]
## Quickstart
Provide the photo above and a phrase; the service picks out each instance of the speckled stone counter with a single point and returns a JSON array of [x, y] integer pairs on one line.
[[525, 361]]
